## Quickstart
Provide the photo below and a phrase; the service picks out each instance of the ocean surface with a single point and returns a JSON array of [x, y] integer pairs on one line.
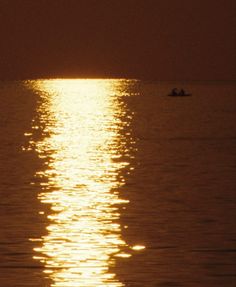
[[111, 183]]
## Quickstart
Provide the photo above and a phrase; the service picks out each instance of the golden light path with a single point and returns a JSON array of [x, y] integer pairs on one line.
[[83, 144]]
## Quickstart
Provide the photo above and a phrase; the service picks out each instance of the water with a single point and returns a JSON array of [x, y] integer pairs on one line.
[[113, 183]]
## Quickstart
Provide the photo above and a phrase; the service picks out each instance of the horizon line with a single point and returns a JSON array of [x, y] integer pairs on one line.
[[113, 78]]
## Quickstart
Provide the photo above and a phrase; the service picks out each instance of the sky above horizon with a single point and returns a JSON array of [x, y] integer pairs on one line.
[[153, 39]]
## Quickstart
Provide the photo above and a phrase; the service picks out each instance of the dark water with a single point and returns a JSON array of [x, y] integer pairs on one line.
[[113, 183]]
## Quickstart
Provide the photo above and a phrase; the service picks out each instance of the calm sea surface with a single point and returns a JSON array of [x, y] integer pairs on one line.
[[111, 183]]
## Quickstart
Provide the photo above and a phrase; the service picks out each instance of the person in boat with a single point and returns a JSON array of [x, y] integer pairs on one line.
[[174, 92], [182, 92]]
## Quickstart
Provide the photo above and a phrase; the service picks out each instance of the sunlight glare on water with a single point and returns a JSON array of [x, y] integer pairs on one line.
[[83, 147]]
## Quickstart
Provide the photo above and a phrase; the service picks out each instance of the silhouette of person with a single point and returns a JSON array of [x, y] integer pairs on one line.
[[174, 92]]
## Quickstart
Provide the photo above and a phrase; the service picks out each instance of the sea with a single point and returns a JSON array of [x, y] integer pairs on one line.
[[113, 183]]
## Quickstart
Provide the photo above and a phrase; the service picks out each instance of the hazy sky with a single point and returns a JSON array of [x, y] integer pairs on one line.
[[158, 39]]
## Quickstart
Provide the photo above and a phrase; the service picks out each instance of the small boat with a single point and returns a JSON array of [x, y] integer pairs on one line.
[[179, 95], [176, 93]]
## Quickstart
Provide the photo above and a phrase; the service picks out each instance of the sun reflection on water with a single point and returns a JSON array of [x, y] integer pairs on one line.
[[84, 149]]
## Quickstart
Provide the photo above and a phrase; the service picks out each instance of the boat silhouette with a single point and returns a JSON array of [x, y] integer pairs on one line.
[[176, 93]]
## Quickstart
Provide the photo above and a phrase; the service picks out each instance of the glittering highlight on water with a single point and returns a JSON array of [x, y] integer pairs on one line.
[[84, 152]]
